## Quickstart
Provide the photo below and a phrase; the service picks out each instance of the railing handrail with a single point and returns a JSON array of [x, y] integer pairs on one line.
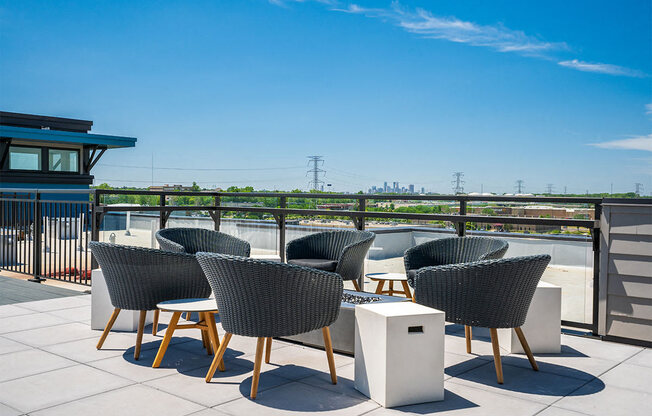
[[395, 197], [361, 214]]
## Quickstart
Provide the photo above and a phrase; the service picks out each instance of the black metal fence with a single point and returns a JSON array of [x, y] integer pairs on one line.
[[45, 233]]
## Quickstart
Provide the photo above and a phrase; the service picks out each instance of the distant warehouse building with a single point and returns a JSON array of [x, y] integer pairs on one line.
[[51, 152]]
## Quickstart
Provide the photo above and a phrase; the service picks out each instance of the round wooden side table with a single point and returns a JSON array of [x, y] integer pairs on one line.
[[381, 278], [206, 308]]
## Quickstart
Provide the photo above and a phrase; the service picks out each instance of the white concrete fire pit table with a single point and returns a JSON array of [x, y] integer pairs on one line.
[[399, 353]]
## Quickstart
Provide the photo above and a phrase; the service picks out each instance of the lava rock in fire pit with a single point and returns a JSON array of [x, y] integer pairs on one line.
[[358, 300]]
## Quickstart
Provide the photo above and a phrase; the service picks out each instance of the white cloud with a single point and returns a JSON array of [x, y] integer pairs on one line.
[[648, 109], [634, 143], [498, 37], [427, 25], [602, 68]]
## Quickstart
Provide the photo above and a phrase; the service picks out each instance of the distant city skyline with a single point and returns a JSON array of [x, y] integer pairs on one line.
[[240, 93]]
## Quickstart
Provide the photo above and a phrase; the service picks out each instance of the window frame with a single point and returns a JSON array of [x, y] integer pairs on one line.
[[41, 158], [62, 172]]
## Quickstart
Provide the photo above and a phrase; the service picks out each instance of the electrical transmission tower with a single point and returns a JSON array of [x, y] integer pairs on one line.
[[638, 188], [549, 188], [316, 183], [458, 182], [519, 186]]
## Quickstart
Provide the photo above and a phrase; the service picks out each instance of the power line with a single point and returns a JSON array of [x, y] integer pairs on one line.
[[316, 183], [519, 186], [638, 188], [247, 182], [458, 182], [199, 169], [549, 188]]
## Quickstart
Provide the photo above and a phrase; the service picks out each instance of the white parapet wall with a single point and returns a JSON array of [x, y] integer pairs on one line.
[[625, 290]]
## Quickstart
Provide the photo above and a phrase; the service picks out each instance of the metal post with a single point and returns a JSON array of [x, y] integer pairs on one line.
[[37, 240], [281, 228], [163, 219], [217, 218], [461, 226], [361, 225], [595, 233]]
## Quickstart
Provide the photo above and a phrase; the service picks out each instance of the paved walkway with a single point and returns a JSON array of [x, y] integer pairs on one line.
[[49, 366], [16, 291]]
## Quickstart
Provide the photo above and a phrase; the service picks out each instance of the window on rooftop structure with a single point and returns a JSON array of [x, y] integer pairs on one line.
[[24, 158], [61, 160]]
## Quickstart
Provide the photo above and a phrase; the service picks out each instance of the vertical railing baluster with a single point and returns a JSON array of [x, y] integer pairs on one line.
[[362, 206], [37, 239], [217, 217], [281, 228], [595, 233], [461, 225], [163, 214]]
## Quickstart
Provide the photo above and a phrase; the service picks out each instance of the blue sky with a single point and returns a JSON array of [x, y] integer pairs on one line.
[[549, 92]]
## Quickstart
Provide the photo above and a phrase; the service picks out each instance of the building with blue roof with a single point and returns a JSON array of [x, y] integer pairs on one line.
[[51, 152]]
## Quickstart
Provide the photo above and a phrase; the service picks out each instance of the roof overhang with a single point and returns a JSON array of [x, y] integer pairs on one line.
[[57, 136]]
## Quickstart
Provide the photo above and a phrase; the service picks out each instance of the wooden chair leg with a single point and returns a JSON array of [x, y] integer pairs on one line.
[[108, 327], [204, 341], [257, 364], [356, 285], [155, 323], [268, 349], [526, 348], [139, 336], [188, 315], [379, 288], [166, 339], [391, 288], [468, 335], [218, 357], [203, 319], [496, 348], [406, 289], [213, 336], [328, 346]]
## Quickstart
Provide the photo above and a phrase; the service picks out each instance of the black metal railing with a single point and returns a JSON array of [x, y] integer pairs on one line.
[[44, 220], [45, 233]]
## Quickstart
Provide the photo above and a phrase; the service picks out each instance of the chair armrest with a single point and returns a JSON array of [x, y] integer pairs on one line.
[[169, 245], [218, 242], [351, 260]]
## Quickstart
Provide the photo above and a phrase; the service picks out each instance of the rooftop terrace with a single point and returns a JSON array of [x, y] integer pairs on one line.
[[50, 367]]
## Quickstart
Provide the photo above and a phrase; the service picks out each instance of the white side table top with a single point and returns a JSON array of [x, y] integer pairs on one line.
[[396, 309], [387, 276], [189, 305]]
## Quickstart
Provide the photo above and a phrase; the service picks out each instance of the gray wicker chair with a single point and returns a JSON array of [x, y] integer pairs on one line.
[[139, 278], [489, 293], [341, 251], [264, 299], [193, 240], [450, 251]]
